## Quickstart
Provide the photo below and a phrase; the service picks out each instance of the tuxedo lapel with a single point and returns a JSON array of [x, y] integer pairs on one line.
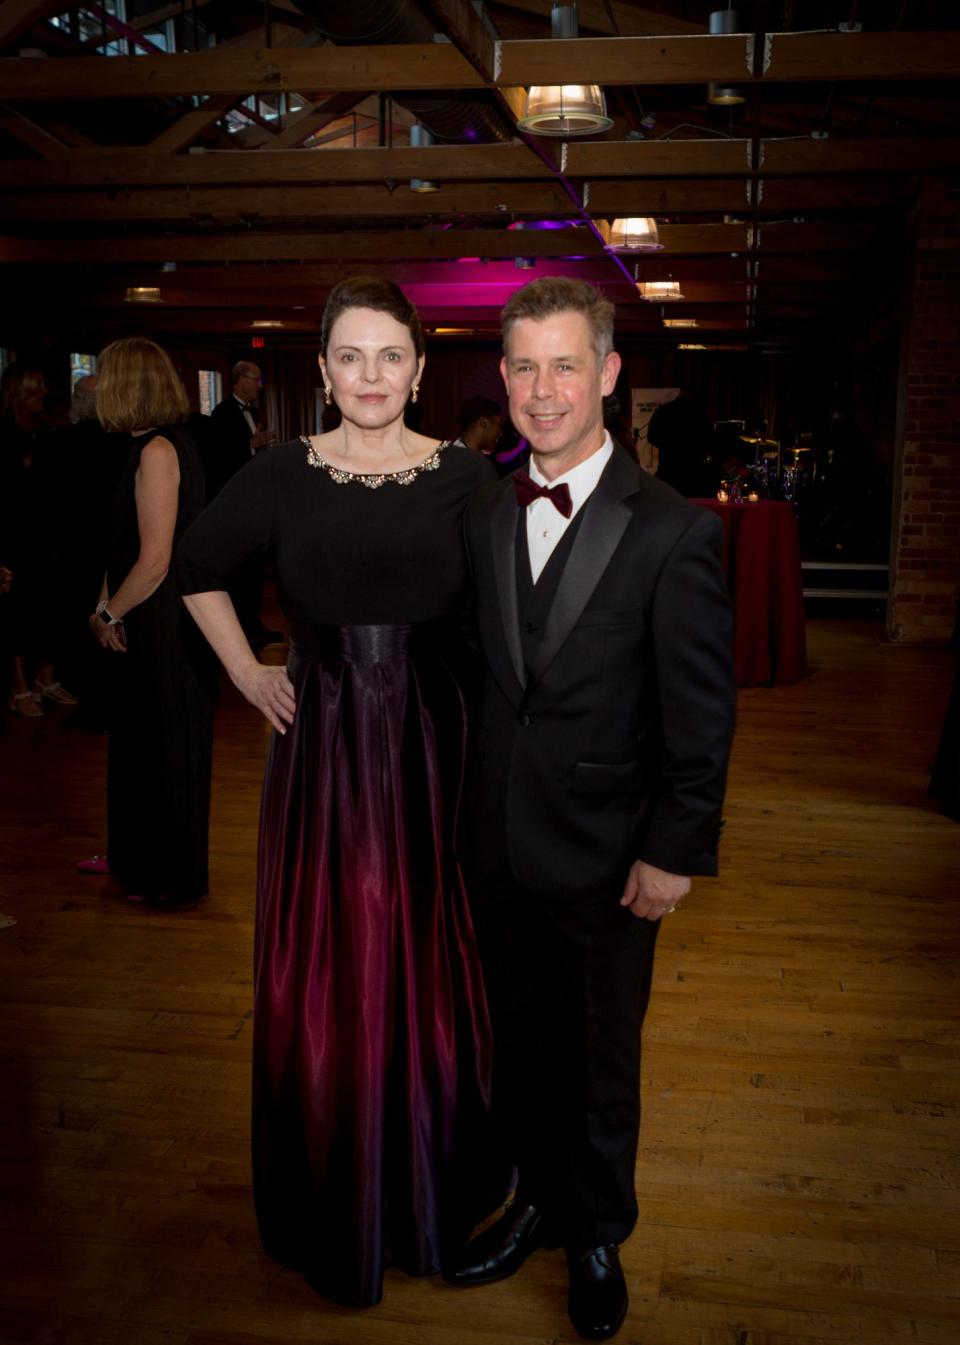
[[605, 519], [503, 537]]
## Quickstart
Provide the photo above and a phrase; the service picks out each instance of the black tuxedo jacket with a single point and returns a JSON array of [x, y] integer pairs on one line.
[[229, 444], [613, 745]]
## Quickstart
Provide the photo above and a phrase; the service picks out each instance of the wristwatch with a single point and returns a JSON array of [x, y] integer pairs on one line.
[[103, 612]]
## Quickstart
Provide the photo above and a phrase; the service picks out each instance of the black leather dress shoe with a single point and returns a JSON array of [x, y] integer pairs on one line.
[[501, 1249], [598, 1292]]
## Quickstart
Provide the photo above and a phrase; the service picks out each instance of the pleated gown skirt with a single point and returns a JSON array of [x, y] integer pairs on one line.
[[371, 1133]]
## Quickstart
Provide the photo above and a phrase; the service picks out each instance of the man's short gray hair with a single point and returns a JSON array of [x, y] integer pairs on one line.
[[557, 294]]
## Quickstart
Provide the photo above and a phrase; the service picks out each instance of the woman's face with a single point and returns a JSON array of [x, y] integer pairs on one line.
[[371, 365]]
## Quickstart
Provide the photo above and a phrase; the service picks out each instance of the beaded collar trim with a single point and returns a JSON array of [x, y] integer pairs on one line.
[[370, 479]]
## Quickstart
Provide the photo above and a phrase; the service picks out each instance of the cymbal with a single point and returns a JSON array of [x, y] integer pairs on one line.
[[805, 449], [758, 439]]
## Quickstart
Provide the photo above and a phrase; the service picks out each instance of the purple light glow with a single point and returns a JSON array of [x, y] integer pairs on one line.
[[543, 224]]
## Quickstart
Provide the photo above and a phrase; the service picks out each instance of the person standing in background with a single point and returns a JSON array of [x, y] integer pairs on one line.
[[235, 437]]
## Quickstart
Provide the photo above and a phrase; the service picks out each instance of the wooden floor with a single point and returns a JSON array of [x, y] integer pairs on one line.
[[798, 1171]]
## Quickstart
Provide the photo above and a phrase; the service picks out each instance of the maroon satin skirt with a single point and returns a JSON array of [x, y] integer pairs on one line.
[[371, 1131]]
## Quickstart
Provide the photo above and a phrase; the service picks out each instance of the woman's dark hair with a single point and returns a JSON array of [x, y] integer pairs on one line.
[[383, 296]]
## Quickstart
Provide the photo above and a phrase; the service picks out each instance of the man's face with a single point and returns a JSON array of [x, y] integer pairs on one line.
[[248, 384], [492, 428], [556, 388]]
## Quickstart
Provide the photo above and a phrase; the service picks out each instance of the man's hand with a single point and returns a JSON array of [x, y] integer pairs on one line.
[[651, 892], [261, 439]]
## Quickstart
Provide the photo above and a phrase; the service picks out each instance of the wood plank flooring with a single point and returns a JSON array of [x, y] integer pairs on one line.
[[798, 1170]]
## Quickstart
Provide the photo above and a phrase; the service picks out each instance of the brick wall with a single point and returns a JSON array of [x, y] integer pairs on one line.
[[925, 557]]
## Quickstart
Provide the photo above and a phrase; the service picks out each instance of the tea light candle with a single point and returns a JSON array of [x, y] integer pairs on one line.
[[722, 496], [753, 497]]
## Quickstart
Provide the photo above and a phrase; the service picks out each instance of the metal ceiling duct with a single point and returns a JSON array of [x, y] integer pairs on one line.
[[372, 22]]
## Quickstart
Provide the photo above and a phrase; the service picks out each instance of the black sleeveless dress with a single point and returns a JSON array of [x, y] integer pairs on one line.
[[161, 712], [371, 1140]]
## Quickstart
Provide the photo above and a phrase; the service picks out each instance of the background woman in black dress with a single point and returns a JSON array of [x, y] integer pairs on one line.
[[161, 715], [371, 1037]]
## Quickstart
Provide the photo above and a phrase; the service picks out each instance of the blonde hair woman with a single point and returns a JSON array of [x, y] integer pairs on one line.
[[161, 716]]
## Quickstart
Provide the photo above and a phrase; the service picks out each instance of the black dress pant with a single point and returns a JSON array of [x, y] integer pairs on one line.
[[568, 980]]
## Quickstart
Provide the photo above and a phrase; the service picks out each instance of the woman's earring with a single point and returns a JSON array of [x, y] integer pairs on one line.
[[415, 393], [327, 393]]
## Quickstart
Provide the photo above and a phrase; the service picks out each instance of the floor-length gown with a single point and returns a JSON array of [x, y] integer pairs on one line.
[[371, 1040], [161, 710]]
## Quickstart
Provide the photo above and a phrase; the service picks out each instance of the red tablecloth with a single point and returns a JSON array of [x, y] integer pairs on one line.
[[761, 557]]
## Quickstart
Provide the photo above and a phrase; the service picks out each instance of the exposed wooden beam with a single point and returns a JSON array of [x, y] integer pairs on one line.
[[242, 71], [316, 202], [291, 247], [164, 12], [443, 163], [18, 17], [613, 60], [896, 55], [69, 135], [29, 133], [923, 154], [313, 118], [698, 60], [640, 160], [468, 32], [670, 196], [187, 128], [722, 158]]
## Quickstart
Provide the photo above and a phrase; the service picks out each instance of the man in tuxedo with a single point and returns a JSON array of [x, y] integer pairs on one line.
[[233, 439], [600, 751], [235, 433]]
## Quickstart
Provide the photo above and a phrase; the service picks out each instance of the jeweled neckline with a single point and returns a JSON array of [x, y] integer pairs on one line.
[[373, 480]]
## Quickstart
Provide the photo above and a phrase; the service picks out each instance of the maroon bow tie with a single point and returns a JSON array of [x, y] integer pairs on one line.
[[528, 491]]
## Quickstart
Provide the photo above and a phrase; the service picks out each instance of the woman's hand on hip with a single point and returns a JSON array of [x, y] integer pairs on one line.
[[271, 691]]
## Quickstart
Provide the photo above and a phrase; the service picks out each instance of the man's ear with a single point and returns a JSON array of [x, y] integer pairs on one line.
[[610, 372]]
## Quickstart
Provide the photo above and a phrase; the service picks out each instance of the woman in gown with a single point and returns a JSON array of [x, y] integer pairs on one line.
[[371, 1037], [161, 701]]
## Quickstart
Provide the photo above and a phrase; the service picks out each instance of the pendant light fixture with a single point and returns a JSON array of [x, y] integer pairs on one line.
[[420, 138], [564, 109], [143, 294], [636, 234], [660, 291], [724, 95]]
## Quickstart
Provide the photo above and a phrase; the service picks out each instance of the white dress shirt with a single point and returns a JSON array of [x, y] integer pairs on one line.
[[545, 523]]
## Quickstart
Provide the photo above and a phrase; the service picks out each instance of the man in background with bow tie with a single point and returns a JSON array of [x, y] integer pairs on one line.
[[235, 437], [235, 431], [600, 752]]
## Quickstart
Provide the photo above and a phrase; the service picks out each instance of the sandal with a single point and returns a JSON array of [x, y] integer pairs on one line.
[[23, 703], [53, 691]]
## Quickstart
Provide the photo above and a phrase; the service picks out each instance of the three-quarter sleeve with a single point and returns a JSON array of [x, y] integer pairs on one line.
[[235, 525]]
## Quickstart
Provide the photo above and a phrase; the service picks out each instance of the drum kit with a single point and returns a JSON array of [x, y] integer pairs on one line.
[[770, 476]]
